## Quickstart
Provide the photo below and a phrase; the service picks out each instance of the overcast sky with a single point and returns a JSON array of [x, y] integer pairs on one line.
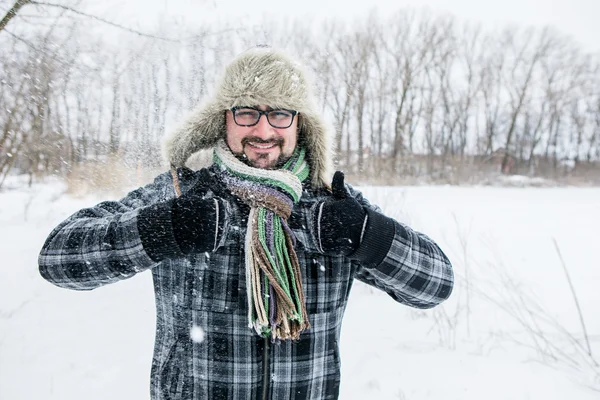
[[578, 18]]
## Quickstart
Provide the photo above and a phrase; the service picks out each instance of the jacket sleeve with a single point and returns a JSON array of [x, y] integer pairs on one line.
[[406, 264], [102, 244]]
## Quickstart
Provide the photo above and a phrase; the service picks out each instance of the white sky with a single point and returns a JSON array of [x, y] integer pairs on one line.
[[578, 18]]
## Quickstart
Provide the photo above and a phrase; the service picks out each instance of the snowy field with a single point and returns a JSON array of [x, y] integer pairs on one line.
[[511, 329]]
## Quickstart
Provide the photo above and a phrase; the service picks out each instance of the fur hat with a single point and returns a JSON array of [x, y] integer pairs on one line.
[[257, 76]]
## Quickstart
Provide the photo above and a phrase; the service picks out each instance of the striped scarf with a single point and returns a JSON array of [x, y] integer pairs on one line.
[[273, 279]]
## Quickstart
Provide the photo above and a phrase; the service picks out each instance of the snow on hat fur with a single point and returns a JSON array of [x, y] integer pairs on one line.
[[257, 76]]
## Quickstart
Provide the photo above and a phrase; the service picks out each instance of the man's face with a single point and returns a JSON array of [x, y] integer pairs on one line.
[[261, 145]]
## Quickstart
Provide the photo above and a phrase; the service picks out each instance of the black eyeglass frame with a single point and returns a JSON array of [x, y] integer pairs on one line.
[[266, 114]]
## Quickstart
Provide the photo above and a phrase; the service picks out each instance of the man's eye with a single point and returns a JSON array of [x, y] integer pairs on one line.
[[246, 113], [280, 114]]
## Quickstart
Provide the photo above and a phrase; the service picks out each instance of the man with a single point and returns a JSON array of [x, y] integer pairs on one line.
[[256, 252]]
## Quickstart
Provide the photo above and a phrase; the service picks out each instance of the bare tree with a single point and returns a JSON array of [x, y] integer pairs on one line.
[[412, 47], [494, 64], [519, 80], [378, 104], [347, 69]]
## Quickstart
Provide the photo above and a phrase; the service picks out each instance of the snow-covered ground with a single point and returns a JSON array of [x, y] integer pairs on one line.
[[511, 329]]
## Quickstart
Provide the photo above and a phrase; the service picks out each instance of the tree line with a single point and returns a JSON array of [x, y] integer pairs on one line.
[[412, 95]]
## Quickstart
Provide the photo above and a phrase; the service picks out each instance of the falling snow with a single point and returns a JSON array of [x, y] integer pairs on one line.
[[197, 334]]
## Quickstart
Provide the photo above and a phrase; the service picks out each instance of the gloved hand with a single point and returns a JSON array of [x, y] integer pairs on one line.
[[197, 222], [338, 223], [188, 224]]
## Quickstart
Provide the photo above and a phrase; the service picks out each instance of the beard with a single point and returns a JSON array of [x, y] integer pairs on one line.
[[275, 164], [255, 163]]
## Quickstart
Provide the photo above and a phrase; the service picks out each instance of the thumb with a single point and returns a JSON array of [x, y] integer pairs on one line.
[[337, 186]]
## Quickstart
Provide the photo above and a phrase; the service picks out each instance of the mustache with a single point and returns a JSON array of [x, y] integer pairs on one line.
[[255, 139]]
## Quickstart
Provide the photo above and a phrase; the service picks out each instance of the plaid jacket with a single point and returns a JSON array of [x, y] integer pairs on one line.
[[101, 245]]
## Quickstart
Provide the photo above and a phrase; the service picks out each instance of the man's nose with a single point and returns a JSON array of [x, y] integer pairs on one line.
[[263, 128]]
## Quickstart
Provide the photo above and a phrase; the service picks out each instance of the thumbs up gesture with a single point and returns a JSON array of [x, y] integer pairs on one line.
[[338, 222]]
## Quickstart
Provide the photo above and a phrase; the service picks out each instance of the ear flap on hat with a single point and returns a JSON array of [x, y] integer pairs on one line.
[[314, 134], [201, 130]]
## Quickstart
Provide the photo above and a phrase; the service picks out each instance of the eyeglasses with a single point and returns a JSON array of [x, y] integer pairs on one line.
[[248, 116]]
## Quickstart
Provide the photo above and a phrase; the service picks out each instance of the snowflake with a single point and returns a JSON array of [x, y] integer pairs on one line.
[[197, 334]]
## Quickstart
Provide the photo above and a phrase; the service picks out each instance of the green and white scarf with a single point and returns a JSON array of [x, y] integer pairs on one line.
[[273, 279]]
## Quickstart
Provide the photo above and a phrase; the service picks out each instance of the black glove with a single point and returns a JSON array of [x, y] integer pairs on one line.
[[338, 223], [197, 222], [186, 225]]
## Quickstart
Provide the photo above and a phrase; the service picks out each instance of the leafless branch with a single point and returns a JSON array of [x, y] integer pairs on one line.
[[574, 293], [104, 21], [12, 13]]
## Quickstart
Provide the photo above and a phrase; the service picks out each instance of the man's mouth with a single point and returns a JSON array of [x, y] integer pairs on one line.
[[262, 146], [257, 152]]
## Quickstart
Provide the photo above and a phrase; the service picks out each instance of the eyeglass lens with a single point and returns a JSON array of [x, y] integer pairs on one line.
[[250, 116]]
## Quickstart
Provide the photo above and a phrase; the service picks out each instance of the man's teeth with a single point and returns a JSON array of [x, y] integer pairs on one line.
[[262, 145]]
